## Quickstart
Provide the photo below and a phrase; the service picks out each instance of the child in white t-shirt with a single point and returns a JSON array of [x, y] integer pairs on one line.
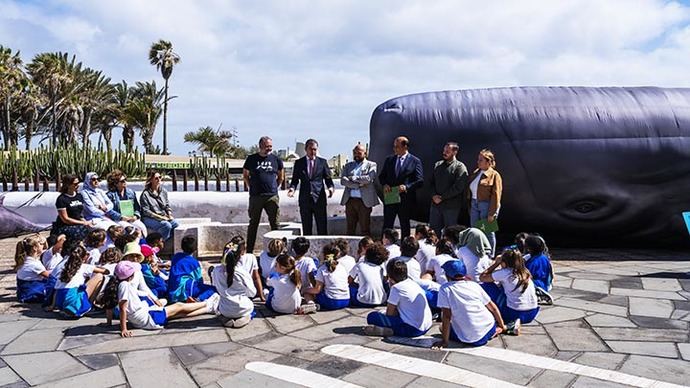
[[249, 263], [408, 250], [305, 265], [95, 242], [331, 290], [468, 314], [51, 256], [267, 258], [434, 270], [73, 293], [362, 247], [235, 288], [31, 273], [284, 284], [427, 245], [516, 296], [137, 312], [390, 239], [345, 259], [408, 313], [367, 278]]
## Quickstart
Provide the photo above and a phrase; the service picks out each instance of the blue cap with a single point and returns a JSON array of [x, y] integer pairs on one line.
[[454, 268]]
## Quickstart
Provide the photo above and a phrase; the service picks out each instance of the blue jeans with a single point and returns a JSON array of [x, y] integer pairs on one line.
[[400, 328], [165, 228], [508, 314], [479, 210]]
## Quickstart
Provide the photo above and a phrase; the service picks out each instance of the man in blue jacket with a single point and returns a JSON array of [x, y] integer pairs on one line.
[[313, 176], [404, 171]]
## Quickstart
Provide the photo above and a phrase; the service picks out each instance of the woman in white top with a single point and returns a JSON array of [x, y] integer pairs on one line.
[[516, 297], [235, 288]]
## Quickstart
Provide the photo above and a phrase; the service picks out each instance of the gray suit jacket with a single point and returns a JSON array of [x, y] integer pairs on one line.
[[364, 182]]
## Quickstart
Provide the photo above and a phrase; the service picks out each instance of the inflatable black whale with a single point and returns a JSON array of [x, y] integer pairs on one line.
[[592, 166]]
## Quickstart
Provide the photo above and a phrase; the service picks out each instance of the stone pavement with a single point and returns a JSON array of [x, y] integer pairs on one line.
[[620, 317]]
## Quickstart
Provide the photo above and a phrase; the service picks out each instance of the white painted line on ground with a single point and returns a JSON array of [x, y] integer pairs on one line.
[[541, 362], [297, 376], [415, 366]]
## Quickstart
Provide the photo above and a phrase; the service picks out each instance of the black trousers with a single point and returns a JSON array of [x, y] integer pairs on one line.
[[400, 210], [310, 211]]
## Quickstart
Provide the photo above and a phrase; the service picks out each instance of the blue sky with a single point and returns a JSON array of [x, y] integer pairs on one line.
[[299, 69]]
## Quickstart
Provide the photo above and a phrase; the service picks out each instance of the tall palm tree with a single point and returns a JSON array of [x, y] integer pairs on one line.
[[95, 98], [145, 110], [164, 58], [123, 100], [215, 142], [12, 82], [30, 104]]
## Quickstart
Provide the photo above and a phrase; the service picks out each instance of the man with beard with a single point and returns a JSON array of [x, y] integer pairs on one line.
[[359, 197], [448, 183]]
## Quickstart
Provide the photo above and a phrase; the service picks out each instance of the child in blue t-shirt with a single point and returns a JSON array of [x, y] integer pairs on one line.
[[538, 263], [186, 282]]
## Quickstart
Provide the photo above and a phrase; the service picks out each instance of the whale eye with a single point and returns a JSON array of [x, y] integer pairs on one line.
[[586, 206]]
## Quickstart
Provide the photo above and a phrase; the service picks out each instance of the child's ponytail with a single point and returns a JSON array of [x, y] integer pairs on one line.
[[231, 255], [28, 246], [331, 252], [19, 254], [288, 262]]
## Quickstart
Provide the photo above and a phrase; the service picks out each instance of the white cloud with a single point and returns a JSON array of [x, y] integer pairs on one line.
[[302, 68]]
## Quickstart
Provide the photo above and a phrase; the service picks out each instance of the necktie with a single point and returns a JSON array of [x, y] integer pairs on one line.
[[398, 165], [311, 168]]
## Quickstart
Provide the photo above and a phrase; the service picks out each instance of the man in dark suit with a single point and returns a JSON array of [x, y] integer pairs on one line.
[[404, 171], [313, 176]]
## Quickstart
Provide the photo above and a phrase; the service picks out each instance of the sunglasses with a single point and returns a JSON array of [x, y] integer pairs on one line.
[[157, 177], [123, 179], [94, 179]]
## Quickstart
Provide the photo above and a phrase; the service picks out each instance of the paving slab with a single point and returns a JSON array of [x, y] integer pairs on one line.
[[552, 379], [35, 341], [646, 348], [540, 345], [7, 376], [62, 365], [651, 307], [665, 369], [288, 323], [599, 286], [13, 329], [684, 351], [681, 315], [601, 360], [155, 368], [346, 325], [103, 378], [616, 300], [588, 382], [99, 361], [647, 293], [373, 376], [426, 382], [627, 282], [593, 306], [335, 367], [643, 335], [559, 314], [514, 373], [329, 316], [661, 284], [603, 320], [152, 342], [659, 323], [296, 347], [219, 367], [248, 378], [255, 328], [575, 339]]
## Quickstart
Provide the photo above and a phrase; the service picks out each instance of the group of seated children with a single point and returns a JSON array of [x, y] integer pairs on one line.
[[452, 278]]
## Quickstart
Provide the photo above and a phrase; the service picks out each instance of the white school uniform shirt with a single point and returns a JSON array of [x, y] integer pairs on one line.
[[370, 278], [467, 300], [286, 297], [79, 278], [137, 310], [515, 298], [235, 300], [139, 284], [424, 254], [267, 264], [50, 259], [436, 265], [31, 269], [94, 255], [393, 251], [305, 265], [57, 270], [413, 308], [248, 262], [475, 265], [335, 284], [414, 272], [348, 262]]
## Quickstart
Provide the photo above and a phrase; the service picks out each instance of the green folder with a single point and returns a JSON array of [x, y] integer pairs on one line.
[[392, 197], [127, 208], [486, 226]]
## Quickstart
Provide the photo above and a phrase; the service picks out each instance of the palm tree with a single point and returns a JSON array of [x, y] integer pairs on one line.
[[95, 98], [12, 82], [122, 100], [30, 104], [215, 142], [145, 110], [164, 58]]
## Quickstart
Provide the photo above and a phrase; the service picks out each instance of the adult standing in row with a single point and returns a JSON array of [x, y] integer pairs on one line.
[[486, 189], [404, 172], [155, 208], [263, 173], [448, 182], [313, 176], [359, 196]]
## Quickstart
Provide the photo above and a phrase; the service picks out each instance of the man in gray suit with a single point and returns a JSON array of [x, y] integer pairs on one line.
[[359, 197]]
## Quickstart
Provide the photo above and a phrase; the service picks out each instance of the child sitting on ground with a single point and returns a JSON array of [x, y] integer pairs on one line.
[[362, 247], [249, 263], [113, 233], [95, 241], [235, 288], [186, 282], [152, 273], [156, 242], [408, 249], [389, 238], [51, 256], [408, 313], [284, 285], [32, 275], [138, 313], [305, 265], [331, 290], [444, 253], [426, 237], [74, 295], [538, 263], [367, 278], [468, 314], [267, 259], [516, 297], [345, 259], [472, 247], [133, 253]]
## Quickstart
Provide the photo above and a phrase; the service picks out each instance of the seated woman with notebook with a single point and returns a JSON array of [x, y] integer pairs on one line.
[[125, 202]]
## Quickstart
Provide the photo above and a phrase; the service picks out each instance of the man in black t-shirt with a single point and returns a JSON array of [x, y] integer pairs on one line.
[[263, 173]]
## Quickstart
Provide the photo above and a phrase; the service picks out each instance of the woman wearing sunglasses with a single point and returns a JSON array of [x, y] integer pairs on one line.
[[155, 207], [98, 208], [118, 192]]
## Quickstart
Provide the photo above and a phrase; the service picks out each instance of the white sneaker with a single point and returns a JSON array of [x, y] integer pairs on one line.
[[212, 303]]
